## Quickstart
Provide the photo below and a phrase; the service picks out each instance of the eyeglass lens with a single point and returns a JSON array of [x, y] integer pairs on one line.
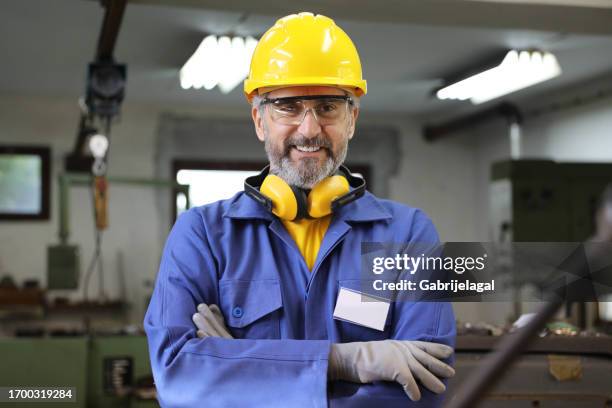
[[293, 111]]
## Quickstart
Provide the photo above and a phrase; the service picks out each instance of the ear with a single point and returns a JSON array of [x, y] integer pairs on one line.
[[354, 115], [258, 122]]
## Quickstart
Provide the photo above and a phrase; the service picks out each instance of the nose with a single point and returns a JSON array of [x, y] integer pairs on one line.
[[310, 126]]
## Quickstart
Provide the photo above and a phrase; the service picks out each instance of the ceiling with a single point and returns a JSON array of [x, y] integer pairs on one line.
[[406, 47]]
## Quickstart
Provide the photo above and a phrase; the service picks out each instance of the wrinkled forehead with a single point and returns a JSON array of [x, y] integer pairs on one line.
[[303, 91]]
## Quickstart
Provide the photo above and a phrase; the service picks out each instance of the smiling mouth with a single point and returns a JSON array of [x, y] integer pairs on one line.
[[307, 149]]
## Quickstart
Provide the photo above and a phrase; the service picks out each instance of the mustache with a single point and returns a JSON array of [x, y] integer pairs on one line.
[[299, 140]]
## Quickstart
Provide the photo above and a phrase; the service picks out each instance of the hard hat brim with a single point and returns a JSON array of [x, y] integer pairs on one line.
[[251, 86]]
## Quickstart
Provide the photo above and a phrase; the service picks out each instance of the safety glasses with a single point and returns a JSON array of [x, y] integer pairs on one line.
[[327, 109]]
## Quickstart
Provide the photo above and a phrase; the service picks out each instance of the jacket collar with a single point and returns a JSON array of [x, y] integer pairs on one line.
[[244, 207], [365, 209]]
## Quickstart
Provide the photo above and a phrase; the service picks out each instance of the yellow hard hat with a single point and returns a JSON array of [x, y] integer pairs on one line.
[[304, 49]]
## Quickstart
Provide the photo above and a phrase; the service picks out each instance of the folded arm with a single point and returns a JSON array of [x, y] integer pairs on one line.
[[214, 371]]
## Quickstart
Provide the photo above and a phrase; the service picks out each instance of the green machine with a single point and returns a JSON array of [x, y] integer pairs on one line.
[[545, 201], [39, 362], [105, 371], [119, 373]]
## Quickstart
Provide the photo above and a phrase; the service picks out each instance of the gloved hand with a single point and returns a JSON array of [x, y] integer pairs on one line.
[[210, 322], [392, 360]]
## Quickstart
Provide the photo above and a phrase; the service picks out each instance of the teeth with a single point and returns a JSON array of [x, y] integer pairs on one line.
[[308, 149]]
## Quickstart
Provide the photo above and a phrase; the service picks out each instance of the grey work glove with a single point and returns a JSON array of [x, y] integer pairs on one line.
[[210, 323], [392, 360]]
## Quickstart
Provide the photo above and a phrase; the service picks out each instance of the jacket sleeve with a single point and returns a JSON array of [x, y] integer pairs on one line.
[[425, 321], [436, 324], [217, 372]]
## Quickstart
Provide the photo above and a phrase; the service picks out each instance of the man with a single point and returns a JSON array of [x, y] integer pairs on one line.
[[265, 281]]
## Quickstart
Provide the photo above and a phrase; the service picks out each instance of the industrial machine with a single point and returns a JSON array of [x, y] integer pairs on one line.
[[543, 200]]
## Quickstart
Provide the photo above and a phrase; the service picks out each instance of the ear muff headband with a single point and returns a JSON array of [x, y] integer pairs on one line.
[[357, 183], [290, 202]]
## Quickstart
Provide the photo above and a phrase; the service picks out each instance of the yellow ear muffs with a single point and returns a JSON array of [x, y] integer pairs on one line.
[[287, 203], [284, 204], [326, 191], [290, 203]]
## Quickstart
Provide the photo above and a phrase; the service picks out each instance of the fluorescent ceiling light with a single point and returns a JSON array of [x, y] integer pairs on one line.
[[518, 70], [218, 61]]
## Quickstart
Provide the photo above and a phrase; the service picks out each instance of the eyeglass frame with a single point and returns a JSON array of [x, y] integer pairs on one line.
[[271, 101]]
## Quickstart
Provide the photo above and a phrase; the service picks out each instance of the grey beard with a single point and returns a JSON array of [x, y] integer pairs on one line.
[[308, 172]]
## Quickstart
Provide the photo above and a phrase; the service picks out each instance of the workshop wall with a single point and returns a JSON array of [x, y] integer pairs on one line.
[[440, 179]]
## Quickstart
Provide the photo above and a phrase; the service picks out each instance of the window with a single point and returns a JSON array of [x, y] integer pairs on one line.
[[210, 181], [24, 183]]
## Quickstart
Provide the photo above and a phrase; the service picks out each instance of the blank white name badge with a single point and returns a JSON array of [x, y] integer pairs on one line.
[[361, 309]]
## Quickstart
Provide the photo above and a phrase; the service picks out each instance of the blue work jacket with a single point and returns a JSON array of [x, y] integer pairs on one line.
[[235, 254]]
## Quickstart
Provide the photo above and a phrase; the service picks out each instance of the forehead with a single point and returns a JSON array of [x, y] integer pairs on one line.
[[305, 91]]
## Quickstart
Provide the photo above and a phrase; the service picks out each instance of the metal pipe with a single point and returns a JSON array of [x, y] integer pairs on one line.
[[431, 133], [515, 140], [64, 207], [110, 29]]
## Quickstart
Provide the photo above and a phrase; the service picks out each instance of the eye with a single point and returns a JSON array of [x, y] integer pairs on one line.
[[286, 107], [327, 107]]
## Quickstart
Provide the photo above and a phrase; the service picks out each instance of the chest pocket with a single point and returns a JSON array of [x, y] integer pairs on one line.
[[252, 308], [353, 332]]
